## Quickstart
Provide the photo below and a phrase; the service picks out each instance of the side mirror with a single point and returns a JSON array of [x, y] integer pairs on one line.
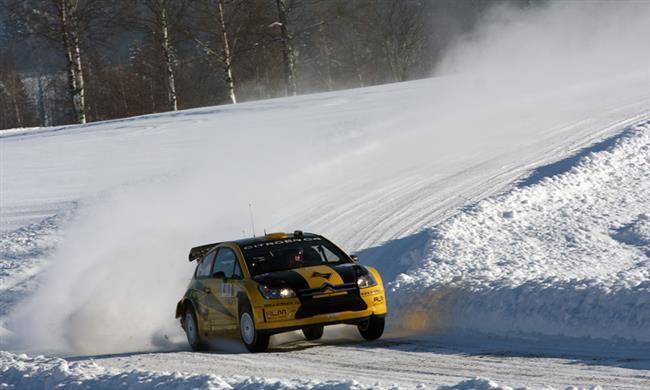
[[354, 257], [219, 275]]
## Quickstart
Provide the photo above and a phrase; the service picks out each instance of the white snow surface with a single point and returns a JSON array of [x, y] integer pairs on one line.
[[23, 372], [19, 371], [567, 255], [507, 208]]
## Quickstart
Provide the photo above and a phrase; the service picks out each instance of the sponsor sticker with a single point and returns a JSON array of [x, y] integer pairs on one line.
[[267, 244], [367, 293], [280, 304], [276, 314], [226, 290]]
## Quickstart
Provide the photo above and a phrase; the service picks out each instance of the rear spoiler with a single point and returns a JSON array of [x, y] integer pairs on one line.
[[198, 252]]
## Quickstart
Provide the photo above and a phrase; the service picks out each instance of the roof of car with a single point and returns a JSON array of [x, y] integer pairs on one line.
[[198, 252], [272, 237]]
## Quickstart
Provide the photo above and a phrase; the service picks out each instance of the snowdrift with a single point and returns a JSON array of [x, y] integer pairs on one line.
[[40, 372], [566, 254]]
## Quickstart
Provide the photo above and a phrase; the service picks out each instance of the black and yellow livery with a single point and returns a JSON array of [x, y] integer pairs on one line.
[[277, 283]]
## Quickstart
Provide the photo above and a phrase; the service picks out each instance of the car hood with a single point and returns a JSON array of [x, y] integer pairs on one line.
[[313, 277]]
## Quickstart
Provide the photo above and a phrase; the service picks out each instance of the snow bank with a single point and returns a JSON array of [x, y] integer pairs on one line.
[[476, 384], [40, 372], [565, 256], [24, 372]]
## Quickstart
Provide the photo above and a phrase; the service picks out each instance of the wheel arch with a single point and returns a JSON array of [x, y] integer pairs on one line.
[[182, 305]]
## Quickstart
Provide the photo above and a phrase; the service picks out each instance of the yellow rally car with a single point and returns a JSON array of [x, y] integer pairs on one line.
[[278, 283]]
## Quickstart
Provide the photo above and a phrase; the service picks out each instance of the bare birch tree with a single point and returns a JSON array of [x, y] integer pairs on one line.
[[70, 38], [287, 48], [169, 58], [227, 56], [57, 21], [218, 44], [69, 27], [158, 23]]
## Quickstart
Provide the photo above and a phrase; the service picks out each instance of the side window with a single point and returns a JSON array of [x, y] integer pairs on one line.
[[203, 269], [237, 272], [328, 255], [225, 262]]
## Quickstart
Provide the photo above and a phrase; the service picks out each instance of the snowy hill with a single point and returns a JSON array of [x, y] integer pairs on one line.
[[499, 206]]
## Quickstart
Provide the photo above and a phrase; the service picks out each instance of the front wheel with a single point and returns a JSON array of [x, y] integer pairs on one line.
[[373, 328], [313, 332], [250, 336]]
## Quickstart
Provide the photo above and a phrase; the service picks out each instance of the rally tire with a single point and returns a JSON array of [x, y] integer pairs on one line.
[[191, 327], [250, 336], [313, 332], [373, 328]]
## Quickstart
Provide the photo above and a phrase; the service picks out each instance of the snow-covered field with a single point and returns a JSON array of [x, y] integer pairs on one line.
[[507, 208]]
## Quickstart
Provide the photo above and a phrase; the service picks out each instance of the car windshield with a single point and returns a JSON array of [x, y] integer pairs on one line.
[[279, 255]]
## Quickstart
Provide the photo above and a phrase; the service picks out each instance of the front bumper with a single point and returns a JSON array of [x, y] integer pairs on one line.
[[352, 321], [276, 316]]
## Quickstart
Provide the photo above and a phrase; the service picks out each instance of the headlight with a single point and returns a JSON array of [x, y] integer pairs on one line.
[[276, 293], [366, 281]]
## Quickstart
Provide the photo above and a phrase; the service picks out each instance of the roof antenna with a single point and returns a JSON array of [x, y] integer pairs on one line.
[[250, 210]]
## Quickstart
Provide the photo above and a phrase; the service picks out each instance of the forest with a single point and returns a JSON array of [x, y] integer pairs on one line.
[[79, 61]]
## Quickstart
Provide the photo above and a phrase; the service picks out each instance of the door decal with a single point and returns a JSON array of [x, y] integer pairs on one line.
[[226, 290]]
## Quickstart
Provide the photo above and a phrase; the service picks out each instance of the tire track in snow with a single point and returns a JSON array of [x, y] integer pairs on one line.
[[401, 362], [382, 215]]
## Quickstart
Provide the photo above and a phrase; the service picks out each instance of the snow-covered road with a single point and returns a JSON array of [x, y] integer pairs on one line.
[[404, 362]]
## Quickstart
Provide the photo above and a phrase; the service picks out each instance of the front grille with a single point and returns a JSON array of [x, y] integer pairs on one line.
[[326, 288], [310, 306]]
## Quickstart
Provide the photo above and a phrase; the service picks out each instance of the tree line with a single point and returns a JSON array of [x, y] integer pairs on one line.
[[75, 61]]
